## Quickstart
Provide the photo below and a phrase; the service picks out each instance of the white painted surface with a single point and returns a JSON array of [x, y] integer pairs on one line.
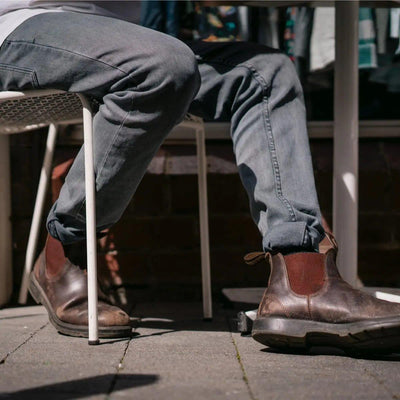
[[345, 179]]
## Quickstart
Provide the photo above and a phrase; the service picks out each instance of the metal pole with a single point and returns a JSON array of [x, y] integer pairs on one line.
[[90, 222], [38, 211], [345, 158]]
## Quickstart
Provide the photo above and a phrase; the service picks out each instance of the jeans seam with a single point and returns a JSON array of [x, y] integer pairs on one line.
[[270, 137], [275, 163], [103, 161], [26, 71], [67, 51]]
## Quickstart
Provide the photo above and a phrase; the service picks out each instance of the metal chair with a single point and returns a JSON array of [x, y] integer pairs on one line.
[[24, 111]]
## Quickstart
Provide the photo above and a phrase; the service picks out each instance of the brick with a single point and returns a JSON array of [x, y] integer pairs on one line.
[[177, 267], [375, 229], [229, 270], [322, 155], [151, 197], [134, 267], [374, 191], [394, 191], [184, 194], [324, 185], [181, 160], [177, 233], [371, 156], [20, 233], [392, 151], [226, 195], [157, 164], [134, 233], [396, 228], [234, 230], [379, 266]]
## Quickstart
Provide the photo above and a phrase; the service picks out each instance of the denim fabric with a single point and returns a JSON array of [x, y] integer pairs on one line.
[[160, 15], [145, 82]]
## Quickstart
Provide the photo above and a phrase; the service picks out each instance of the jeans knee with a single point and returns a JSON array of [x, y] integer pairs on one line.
[[180, 70], [174, 71], [272, 66]]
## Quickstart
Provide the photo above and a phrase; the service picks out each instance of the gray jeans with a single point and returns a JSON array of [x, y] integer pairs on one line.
[[145, 82]]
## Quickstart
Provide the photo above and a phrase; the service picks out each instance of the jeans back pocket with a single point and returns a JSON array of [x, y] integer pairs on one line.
[[17, 78]]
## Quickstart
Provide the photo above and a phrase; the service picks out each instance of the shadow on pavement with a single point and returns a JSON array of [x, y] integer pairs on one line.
[[332, 351], [82, 388]]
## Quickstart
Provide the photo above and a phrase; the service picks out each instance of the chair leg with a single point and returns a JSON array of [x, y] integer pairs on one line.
[[90, 222], [204, 232], [38, 212]]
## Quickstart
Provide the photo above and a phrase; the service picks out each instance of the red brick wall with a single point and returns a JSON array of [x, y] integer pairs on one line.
[[158, 237]]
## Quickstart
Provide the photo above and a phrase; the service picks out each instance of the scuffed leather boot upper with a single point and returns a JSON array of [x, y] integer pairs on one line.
[[308, 286], [67, 291]]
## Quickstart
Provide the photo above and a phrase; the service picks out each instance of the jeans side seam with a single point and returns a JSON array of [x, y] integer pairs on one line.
[[103, 161], [275, 163], [270, 137], [25, 71], [67, 51]]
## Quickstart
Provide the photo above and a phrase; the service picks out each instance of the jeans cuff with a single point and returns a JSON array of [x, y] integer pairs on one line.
[[64, 235], [290, 237]]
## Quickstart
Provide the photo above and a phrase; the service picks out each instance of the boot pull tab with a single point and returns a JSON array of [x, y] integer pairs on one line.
[[328, 243], [332, 240], [255, 257]]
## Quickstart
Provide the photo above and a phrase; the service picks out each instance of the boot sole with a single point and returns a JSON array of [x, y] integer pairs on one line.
[[70, 329], [378, 336]]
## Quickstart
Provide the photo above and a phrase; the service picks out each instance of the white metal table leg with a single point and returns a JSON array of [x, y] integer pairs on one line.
[[90, 221], [345, 177], [204, 231], [38, 211]]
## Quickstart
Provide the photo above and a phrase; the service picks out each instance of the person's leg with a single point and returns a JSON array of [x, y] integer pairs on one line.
[[306, 302], [171, 17], [144, 82], [152, 14], [257, 89]]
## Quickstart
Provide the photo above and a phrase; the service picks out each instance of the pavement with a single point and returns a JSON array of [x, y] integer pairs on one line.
[[174, 354]]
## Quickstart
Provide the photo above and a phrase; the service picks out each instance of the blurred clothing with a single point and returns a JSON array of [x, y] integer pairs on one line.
[[160, 15]]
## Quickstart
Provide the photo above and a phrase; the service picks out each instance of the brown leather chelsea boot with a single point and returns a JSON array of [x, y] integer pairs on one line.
[[61, 287], [307, 303]]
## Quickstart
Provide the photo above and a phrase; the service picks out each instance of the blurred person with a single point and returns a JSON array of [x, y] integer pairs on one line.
[[145, 82]]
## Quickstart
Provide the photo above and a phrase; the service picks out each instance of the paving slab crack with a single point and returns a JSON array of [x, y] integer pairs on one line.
[[240, 362], [3, 360], [119, 369], [381, 383]]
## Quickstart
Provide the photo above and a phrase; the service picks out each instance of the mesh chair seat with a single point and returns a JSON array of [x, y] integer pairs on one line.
[[30, 113]]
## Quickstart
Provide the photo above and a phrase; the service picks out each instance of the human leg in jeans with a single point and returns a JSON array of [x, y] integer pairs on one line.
[[257, 90], [306, 302], [144, 82]]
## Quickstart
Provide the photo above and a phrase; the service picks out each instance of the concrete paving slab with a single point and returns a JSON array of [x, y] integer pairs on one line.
[[17, 325], [191, 358], [176, 355], [50, 365], [323, 373]]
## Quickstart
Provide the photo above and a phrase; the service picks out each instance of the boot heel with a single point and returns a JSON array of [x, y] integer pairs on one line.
[[33, 290]]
